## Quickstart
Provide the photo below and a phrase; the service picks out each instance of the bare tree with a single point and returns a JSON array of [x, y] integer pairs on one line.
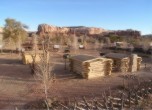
[[43, 69], [90, 43], [96, 44], [145, 47], [35, 42], [145, 43], [75, 43]]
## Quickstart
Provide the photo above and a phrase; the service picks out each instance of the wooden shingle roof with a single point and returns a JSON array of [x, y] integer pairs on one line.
[[83, 57], [116, 55]]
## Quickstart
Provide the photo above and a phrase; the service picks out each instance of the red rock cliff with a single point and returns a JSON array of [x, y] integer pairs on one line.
[[44, 29]]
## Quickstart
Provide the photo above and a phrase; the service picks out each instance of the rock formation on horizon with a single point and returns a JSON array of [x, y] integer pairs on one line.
[[44, 29]]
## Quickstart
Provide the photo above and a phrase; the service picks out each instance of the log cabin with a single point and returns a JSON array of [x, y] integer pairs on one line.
[[90, 66]]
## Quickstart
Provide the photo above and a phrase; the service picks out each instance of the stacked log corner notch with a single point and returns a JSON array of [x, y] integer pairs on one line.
[[135, 62], [124, 65]]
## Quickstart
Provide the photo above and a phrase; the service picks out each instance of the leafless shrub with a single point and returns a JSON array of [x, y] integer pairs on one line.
[[43, 69]]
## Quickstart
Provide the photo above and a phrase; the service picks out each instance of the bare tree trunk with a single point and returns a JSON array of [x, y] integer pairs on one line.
[[46, 91], [43, 69]]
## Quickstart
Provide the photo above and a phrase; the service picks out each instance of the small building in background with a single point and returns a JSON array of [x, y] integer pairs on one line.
[[120, 61], [90, 67], [124, 62], [28, 57]]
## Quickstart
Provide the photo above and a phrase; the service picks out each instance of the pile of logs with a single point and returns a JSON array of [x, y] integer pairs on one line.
[[137, 96], [131, 98]]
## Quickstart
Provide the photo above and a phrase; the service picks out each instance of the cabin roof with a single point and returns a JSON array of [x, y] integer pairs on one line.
[[116, 55], [83, 57]]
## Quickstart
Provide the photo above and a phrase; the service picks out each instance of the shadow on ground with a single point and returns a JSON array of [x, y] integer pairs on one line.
[[10, 61], [62, 73]]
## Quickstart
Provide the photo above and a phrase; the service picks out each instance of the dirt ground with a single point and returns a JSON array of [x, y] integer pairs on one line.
[[18, 86]]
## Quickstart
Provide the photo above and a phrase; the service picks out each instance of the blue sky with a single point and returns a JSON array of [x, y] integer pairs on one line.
[[108, 14]]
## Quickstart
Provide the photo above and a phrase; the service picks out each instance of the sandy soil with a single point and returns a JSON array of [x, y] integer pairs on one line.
[[18, 87]]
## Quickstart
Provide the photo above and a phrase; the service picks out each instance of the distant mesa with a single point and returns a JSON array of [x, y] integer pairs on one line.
[[44, 29], [87, 30], [48, 29]]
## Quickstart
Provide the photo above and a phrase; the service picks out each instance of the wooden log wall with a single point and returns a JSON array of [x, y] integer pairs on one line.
[[124, 66], [139, 60], [28, 58], [92, 68]]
